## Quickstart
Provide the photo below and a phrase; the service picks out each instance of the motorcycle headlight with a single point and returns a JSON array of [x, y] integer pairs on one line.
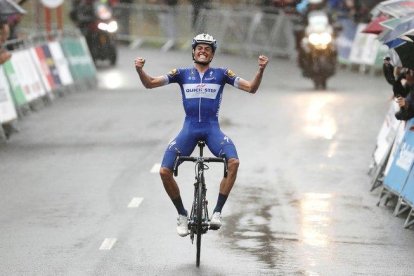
[[320, 39], [112, 26], [103, 26]]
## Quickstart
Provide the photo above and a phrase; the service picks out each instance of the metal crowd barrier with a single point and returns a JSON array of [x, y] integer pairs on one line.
[[393, 165], [42, 67], [237, 31]]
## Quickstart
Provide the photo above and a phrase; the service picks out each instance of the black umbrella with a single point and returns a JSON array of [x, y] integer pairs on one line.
[[406, 54], [9, 7]]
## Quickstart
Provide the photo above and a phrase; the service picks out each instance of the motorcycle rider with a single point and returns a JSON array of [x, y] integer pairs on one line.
[[4, 34], [82, 12], [93, 18]]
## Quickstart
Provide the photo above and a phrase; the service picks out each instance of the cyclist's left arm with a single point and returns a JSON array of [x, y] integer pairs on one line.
[[253, 85]]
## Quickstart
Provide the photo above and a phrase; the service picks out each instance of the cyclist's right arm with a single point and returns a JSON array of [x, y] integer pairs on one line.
[[147, 80]]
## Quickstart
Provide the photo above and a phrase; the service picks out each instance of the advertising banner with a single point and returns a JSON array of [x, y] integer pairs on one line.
[[364, 48], [7, 109], [345, 38], [61, 63], [41, 64], [29, 76], [387, 133], [46, 65], [403, 161], [397, 141], [408, 190], [14, 81], [18, 64], [51, 63], [80, 62]]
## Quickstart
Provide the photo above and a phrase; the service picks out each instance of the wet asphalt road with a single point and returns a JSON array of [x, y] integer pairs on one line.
[[301, 204]]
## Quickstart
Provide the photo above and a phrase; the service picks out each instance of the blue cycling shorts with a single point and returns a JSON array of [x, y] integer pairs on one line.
[[217, 142]]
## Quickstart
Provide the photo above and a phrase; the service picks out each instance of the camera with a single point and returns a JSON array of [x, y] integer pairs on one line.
[[404, 114]]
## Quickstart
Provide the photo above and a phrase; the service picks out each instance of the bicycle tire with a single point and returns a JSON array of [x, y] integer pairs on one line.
[[199, 214]]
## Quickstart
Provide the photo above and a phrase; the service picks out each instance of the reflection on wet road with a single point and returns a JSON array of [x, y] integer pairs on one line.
[[301, 208], [111, 79], [316, 217], [319, 120], [250, 230], [298, 236]]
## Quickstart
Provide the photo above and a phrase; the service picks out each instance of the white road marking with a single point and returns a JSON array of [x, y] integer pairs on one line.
[[107, 244], [155, 168], [135, 202]]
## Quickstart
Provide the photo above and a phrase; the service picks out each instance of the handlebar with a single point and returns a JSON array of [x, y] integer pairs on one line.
[[181, 159]]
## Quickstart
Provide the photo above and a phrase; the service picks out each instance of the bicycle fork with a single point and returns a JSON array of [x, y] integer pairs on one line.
[[204, 205]]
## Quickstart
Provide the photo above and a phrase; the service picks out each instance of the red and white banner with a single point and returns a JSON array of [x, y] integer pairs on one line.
[[42, 65]]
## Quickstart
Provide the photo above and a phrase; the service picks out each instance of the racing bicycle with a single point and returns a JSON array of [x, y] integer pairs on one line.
[[199, 222]]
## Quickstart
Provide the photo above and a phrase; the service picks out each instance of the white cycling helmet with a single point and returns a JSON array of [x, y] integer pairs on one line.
[[204, 39]]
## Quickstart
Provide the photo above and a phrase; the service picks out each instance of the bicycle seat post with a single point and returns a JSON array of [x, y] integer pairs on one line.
[[201, 144]]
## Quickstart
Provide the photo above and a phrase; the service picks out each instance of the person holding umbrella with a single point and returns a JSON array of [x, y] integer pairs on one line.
[[7, 8], [4, 34]]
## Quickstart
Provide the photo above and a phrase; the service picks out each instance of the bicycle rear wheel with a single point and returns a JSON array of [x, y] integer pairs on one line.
[[199, 214]]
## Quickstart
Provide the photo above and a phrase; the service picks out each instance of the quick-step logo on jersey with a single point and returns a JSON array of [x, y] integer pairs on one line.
[[201, 90]]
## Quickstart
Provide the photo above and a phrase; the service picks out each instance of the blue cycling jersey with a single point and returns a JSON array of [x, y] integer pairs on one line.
[[201, 94]]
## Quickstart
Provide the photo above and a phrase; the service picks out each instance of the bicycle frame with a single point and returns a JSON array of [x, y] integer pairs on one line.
[[200, 192], [199, 222]]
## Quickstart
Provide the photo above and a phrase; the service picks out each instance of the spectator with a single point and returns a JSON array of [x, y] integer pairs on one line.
[[407, 103], [13, 22], [4, 35]]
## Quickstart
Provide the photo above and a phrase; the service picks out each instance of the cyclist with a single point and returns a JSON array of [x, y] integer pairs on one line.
[[201, 89]]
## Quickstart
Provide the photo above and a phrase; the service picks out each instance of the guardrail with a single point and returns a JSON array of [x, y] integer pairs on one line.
[[40, 69], [239, 30], [244, 31], [392, 168]]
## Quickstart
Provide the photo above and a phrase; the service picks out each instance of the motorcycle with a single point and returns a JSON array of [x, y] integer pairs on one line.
[[100, 33], [318, 55]]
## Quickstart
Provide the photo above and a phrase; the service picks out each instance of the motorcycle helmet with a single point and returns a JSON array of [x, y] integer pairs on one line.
[[204, 39]]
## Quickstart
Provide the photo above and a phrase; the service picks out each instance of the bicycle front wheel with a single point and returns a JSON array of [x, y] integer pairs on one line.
[[199, 214]]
